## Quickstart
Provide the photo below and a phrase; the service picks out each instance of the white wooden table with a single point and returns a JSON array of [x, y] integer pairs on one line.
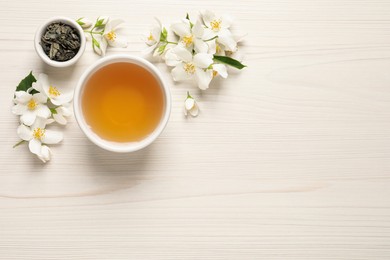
[[289, 159]]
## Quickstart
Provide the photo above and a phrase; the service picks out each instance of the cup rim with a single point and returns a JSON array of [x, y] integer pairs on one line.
[[116, 146], [42, 54]]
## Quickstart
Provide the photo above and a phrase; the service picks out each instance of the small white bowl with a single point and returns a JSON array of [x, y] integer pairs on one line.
[[117, 146], [41, 30]]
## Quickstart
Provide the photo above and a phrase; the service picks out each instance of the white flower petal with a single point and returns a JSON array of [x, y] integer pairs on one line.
[[45, 154], [103, 45], [149, 42], [203, 60], [114, 23], [40, 122], [207, 17], [194, 111], [40, 98], [28, 117], [97, 50], [50, 121], [64, 110], [37, 86], [171, 58], [52, 137], [59, 118], [200, 46], [226, 38], [156, 33], [203, 78], [212, 47], [118, 42], [19, 109], [198, 29], [24, 132], [149, 49], [43, 84], [62, 99], [35, 146], [179, 74], [22, 97], [221, 69], [208, 34], [226, 21], [43, 111], [181, 29], [182, 53], [189, 103]]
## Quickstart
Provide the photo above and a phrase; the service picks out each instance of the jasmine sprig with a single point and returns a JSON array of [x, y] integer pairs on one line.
[[39, 103], [203, 50], [103, 33]]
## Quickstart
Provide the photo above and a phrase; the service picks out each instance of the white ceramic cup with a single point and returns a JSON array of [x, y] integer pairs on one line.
[[41, 30], [118, 146]]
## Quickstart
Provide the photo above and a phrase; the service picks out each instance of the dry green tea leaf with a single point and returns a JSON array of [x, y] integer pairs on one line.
[[60, 42]]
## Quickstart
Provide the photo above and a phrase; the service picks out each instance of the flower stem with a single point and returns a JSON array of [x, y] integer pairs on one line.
[[168, 42], [91, 32], [19, 143], [215, 37]]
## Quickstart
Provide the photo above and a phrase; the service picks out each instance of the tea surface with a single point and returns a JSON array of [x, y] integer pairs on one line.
[[122, 102]]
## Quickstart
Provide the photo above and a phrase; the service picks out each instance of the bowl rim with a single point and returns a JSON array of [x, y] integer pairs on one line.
[[42, 54], [117, 146]]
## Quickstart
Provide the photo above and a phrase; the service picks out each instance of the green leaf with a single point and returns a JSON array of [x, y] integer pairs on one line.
[[164, 35], [95, 42], [99, 23], [80, 22], [26, 83], [161, 49], [53, 110], [229, 61]]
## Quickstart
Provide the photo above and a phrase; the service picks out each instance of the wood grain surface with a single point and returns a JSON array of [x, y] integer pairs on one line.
[[289, 159]]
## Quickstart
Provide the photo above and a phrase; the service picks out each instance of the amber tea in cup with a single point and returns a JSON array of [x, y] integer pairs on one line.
[[121, 103]]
